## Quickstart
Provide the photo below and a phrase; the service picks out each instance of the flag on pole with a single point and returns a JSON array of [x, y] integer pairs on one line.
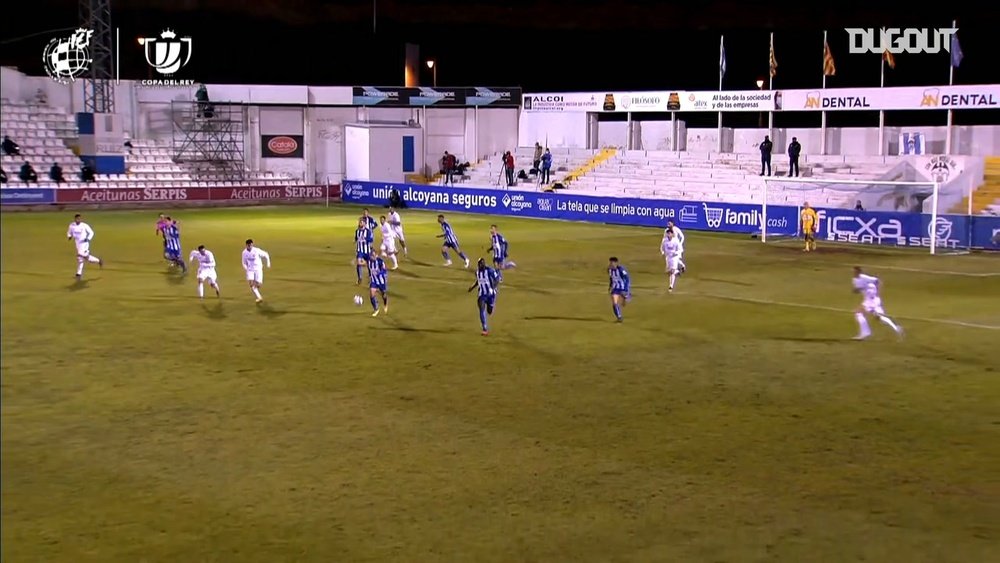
[[772, 61], [722, 56], [956, 51], [829, 67], [889, 58]]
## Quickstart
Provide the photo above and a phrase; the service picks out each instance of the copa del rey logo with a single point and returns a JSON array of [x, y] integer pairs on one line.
[[282, 145]]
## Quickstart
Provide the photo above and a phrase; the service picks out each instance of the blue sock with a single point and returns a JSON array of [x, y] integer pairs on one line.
[[618, 311], [482, 317], [385, 298], [462, 255], [374, 303], [359, 271], [445, 254]]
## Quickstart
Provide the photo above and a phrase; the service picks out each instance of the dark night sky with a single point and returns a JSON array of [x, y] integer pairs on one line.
[[541, 46]]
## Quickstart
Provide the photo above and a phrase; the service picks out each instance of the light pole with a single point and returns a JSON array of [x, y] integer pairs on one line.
[[434, 70], [760, 118]]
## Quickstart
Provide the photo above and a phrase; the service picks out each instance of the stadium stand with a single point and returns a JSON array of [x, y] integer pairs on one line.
[[45, 135], [564, 161]]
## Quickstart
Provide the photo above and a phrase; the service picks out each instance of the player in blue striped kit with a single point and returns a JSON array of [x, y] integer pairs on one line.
[[378, 282], [172, 240], [363, 239], [370, 221], [450, 242], [620, 286], [486, 280], [498, 244]]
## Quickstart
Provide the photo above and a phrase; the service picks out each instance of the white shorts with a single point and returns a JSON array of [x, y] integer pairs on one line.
[[83, 249], [674, 263], [873, 305], [398, 232], [389, 246], [207, 274], [255, 276]]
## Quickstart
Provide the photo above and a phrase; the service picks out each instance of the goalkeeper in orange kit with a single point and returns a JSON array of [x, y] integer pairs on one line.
[[810, 226]]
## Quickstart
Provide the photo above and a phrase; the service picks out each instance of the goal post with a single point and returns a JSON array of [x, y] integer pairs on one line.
[[910, 214]]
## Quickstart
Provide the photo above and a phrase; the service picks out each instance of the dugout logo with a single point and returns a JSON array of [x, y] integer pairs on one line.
[[940, 168]]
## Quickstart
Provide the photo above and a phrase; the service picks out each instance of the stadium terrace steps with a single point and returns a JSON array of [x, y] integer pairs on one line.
[[488, 171], [45, 135], [985, 198], [590, 165]]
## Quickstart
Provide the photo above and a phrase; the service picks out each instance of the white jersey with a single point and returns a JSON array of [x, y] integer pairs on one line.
[[678, 236], [671, 248], [867, 285], [206, 261], [80, 232], [395, 220], [253, 259], [387, 232]]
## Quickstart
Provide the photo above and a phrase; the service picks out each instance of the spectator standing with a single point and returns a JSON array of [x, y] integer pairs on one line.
[[766, 146], [509, 167], [537, 160], [858, 206], [546, 166], [204, 107], [56, 173], [28, 174], [10, 148], [794, 150], [448, 163]]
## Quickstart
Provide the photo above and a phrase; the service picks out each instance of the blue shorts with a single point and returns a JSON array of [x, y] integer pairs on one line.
[[378, 286], [498, 259], [618, 292], [173, 255], [362, 255], [488, 300], [451, 245]]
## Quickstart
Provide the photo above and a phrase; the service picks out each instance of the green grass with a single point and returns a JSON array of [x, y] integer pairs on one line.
[[734, 420]]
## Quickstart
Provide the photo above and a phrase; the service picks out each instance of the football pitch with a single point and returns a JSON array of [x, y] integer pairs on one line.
[[733, 420]]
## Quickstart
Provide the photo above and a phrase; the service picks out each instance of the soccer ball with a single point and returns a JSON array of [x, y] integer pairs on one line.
[[358, 300]]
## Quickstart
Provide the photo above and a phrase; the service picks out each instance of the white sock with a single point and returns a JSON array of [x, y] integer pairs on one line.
[[256, 292], [889, 322], [673, 277], [79, 266], [201, 290], [93, 259], [862, 324], [395, 262]]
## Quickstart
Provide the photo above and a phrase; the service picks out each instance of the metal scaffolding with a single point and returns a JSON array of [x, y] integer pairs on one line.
[[98, 88], [208, 138]]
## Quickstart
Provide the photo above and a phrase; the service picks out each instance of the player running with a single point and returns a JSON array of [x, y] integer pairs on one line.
[[369, 220], [378, 281], [671, 249], [253, 264], [487, 280], [161, 231], [450, 242], [363, 239], [869, 287], [397, 227], [679, 236], [206, 270], [498, 244], [172, 238], [388, 246], [620, 286], [81, 233], [810, 226]]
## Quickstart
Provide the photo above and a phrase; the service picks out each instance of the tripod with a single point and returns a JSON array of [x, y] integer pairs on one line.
[[500, 177]]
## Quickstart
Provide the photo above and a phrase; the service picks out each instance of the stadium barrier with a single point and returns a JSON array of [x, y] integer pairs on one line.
[[842, 225], [123, 197]]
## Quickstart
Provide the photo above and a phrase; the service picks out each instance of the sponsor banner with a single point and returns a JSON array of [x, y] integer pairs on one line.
[[986, 96], [395, 96], [282, 146], [729, 100], [726, 217], [27, 196], [841, 225], [569, 102], [140, 195]]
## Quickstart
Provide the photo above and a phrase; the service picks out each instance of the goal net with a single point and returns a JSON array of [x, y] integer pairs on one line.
[[925, 215]]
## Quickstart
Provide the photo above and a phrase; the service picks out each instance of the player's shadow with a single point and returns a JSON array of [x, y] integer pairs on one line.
[[567, 318], [809, 339], [78, 285], [418, 263], [405, 274], [527, 288], [266, 310], [175, 278], [214, 312], [395, 325], [730, 282]]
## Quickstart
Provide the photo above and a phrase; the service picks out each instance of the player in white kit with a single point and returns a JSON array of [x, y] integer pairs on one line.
[[671, 249], [397, 227], [869, 287], [253, 263], [206, 270], [388, 241], [81, 234], [679, 235]]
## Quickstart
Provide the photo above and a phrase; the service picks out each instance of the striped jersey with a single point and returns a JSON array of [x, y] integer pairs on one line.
[[370, 222], [377, 273], [449, 234], [172, 235], [619, 279], [363, 238], [487, 278], [161, 228], [499, 244]]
